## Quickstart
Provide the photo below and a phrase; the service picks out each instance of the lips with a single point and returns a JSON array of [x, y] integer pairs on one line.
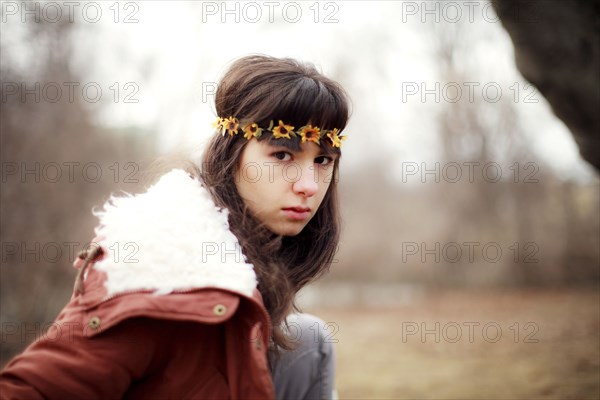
[[298, 209], [297, 213]]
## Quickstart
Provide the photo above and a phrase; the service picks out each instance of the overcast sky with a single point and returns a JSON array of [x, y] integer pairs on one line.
[[169, 55]]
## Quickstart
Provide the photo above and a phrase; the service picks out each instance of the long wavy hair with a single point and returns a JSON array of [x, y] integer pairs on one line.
[[259, 89]]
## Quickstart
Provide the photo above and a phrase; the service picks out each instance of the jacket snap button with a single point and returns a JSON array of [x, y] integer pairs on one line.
[[219, 309], [94, 323]]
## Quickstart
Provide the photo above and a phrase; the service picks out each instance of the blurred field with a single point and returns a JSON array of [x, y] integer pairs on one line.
[[557, 356]]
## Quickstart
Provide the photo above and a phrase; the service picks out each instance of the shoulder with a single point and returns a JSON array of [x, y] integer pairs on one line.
[[90, 315], [166, 253], [172, 237]]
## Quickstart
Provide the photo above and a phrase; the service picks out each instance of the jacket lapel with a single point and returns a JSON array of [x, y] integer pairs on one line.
[[171, 238]]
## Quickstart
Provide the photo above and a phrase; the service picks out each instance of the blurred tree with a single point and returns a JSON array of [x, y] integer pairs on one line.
[[46, 194], [557, 48]]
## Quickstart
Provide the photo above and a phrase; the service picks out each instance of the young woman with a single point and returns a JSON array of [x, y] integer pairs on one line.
[[188, 290]]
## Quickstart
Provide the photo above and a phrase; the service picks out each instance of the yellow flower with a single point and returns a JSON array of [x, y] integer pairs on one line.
[[219, 125], [336, 141], [231, 125], [252, 130], [282, 131], [310, 133]]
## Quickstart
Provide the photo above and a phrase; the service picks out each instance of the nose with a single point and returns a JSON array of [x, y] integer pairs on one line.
[[306, 183]]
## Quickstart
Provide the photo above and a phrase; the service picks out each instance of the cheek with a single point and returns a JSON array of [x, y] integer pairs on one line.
[[327, 178], [242, 183], [323, 188], [253, 185]]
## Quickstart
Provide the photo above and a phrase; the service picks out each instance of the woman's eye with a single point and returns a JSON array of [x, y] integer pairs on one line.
[[324, 160], [281, 155]]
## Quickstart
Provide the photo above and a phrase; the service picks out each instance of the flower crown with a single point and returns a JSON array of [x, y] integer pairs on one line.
[[308, 133]]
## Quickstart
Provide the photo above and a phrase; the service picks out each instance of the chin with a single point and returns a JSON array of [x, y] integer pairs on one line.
[[287, 230]]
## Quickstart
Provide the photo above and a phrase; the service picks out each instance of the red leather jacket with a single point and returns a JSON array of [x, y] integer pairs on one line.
[[163, 311]]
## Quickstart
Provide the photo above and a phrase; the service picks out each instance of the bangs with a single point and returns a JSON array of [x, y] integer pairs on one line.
[[307, 101], [311, 102], [293, 144], [261, 89]]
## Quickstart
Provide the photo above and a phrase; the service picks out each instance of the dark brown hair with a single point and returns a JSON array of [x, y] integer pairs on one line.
[[259, 89]]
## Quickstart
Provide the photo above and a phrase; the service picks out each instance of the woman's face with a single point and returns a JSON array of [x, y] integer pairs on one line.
[[284, 188]]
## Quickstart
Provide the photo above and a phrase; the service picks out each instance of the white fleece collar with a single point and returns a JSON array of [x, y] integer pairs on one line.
[[172, 237]]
